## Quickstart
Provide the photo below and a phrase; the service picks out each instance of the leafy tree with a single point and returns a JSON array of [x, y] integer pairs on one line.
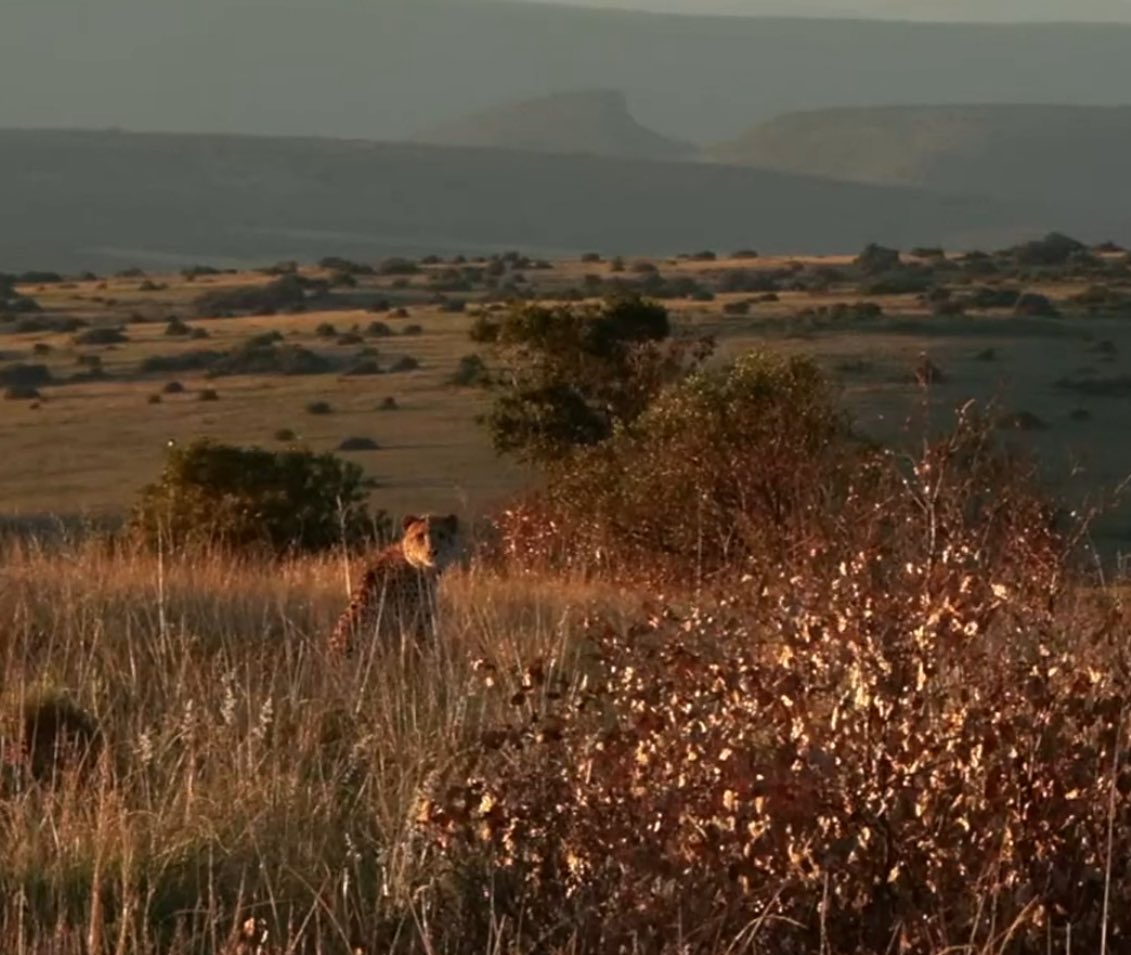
[[875, 259], [1054, 249], [252, 500], [567, 376]]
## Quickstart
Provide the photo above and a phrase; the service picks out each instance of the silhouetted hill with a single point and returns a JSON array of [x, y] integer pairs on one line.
[[385, 69], [1071, 159], [105, 200], [595, 123]]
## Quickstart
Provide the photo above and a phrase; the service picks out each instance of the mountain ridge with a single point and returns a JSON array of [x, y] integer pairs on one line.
[[589, 122], [87, 199]]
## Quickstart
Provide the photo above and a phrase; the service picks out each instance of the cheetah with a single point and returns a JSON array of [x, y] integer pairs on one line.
[[397, 595]]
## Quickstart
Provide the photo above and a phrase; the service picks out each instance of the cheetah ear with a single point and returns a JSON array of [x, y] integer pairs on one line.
[[408, 521]]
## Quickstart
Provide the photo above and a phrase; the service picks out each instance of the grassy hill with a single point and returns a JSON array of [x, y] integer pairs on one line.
[[106, 200], [596, 123], [1072, 158], [387, 70]]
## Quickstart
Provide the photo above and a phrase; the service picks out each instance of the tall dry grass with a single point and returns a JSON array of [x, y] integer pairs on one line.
[[248, 783]]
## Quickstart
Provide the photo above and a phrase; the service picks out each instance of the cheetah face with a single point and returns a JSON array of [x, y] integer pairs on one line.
[[431, 541]]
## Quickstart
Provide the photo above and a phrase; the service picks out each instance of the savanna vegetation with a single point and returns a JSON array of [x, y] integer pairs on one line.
[[734, 673]]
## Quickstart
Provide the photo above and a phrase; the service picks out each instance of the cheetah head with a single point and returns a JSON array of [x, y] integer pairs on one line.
[[431, 541]]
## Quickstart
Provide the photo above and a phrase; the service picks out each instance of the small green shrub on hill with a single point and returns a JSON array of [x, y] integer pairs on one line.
[[253, 500]]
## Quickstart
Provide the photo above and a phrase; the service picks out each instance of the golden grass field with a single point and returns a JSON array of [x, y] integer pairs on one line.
[[255, 796], [87, 447]]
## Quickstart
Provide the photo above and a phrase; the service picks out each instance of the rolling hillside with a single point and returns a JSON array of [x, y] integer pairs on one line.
[[388, 69], [594, 123], [1072, 159], [107, 200]]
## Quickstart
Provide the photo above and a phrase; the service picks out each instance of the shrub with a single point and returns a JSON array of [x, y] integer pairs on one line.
[[41, 348], [284, 434], [207, 394], [388, 403], [875, 259], [176, 327], [199, 360], [173, 388], [288, 267], [839, 750], [378, 330], [263, 339], [284, 292], [251, 359], [366, 366], [249, 499], [723, 467], [20, 374], [1035, 305], [319, 408], [21, 393], [37, 277], [398, 266], [569, 375], [336, 263], [193, 272], [325, 330], [412, 330], [358, 444], [1053, 249], [471, 372], [154, 400], [20, 305], [101, 336], [404, 363]]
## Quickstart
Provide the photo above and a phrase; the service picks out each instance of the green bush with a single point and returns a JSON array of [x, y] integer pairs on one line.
[[101, 336], [20, 374], [249, 500], [287, 291], [875, 259], [470, 372], [727, 469], [568, 376]]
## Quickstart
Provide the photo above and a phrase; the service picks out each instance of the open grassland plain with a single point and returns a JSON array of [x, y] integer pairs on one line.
[[782, 693], [133, 361]]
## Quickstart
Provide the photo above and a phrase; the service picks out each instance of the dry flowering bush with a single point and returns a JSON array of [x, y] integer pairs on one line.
[[912, 740]]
